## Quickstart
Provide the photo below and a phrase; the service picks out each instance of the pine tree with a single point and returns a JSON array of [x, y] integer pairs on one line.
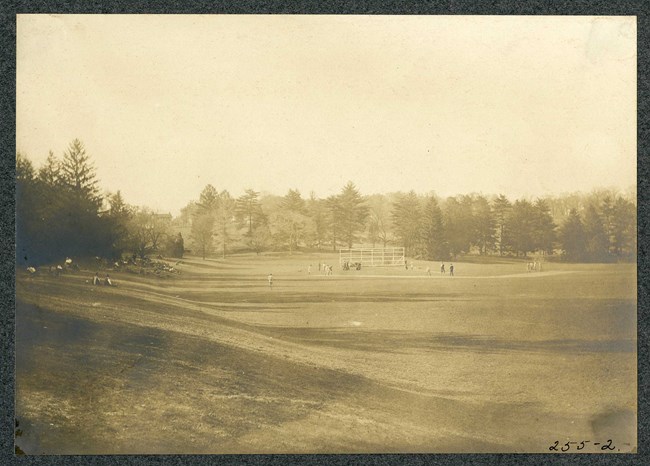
[[596, 240], [573, 238], [317, 212], [434, 243], [50, 173], [27, 221], [544, 227], [248, 210], [459, 224], [334, 215], [353, 213], [484, 225], [79, 176], [502, 208], [293, 202], [224, 220], [623, 228], [406, 217], [208, 200], [290, 221], [607, 216], [118, 216], [522, 223]]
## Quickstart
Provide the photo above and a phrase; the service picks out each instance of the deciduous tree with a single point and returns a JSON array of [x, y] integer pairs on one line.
[[202, 232]]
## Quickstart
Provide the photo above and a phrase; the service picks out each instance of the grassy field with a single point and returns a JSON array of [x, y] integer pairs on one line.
[[213, 360]]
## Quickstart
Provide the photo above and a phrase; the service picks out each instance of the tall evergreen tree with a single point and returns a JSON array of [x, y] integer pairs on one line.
[[27, 219], [502, 208], [77, 205], [248, 210], [597, 241], [623, 235], [290, 221], [119, 216], [203, 223], [607, 216], [293, 202], [573, 238], [407, 226], [434, 243], [224, 220], [459, 224], [50, 173], [484, 225], [79, 176], [544, 227], [334, 218], [353, 213], [209, 200], [317, 212], [522, 223]]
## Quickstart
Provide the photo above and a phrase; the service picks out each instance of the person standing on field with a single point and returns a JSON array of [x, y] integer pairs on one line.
[[429, 271], [270, 278], [451, 270], [442, 268]]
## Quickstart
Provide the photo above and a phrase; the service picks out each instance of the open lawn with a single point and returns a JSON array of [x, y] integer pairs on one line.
[[213, 360]]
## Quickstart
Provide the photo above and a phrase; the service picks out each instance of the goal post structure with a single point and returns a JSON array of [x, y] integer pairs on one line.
[[373, 257]]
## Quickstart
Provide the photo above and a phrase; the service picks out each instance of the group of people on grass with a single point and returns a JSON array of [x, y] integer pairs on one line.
[[347, 265], [534, 266], [56, 270], [444, 272], [98, 281]]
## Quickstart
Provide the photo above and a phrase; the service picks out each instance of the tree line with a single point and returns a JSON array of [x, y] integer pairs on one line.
[[599, 227], [60, 212]]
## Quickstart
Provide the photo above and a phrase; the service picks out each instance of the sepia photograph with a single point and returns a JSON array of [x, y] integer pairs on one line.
[[325, 234]]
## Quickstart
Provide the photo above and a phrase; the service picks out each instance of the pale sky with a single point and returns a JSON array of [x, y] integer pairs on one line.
[[525, 106]]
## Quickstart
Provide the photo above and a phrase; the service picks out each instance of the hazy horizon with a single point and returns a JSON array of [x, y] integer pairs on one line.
[[524, 106]]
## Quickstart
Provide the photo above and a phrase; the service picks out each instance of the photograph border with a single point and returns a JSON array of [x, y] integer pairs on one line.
[[638, 8]]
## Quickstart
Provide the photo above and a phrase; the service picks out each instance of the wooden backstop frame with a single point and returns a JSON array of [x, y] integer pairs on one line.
[[373, 257]]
